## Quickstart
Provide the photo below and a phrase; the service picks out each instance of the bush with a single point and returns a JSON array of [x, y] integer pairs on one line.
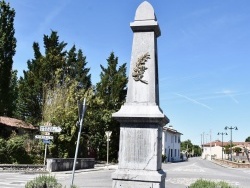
[[43, 181], [164, 157], [3, 151], [209, 184], [15, 147]]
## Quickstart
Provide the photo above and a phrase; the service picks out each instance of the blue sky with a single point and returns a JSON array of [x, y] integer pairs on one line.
[[203, 52]]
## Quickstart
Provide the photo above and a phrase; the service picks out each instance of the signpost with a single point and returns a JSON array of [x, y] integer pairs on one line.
[[47, 129]]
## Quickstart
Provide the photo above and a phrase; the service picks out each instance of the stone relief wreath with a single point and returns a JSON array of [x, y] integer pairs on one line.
[[140, 68]]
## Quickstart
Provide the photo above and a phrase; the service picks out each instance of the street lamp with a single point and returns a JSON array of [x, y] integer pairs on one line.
[[222, 141], [231, 128]]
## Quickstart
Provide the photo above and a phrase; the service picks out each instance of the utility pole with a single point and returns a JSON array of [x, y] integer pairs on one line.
[[222, 142]]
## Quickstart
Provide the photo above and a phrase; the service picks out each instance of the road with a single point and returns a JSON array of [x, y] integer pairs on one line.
[[179, 175]]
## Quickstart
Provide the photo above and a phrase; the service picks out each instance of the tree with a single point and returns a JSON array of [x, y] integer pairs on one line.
[[46, 72], [75, 68], [7, 52], [112, 90], [186, 146], [247, 139], [227, 149], [191, 149], [60, 108], [3, 151], [237, 150]]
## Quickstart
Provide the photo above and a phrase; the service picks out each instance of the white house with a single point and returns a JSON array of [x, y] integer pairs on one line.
[[215, 150], [171, 144]]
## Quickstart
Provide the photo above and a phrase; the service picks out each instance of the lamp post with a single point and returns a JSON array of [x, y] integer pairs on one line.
[[231, 128], [222, 141]]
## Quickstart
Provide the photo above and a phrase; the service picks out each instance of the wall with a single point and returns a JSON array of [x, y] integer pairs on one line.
[[233, 164], [58, 164]]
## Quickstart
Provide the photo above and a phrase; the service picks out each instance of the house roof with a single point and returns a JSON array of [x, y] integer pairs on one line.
[[12, 122], [171, 130], [219, 143]]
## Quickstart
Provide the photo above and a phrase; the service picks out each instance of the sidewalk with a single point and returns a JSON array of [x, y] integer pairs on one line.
[[97, 167]]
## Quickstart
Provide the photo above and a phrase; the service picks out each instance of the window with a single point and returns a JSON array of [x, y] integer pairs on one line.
[[172, 139]]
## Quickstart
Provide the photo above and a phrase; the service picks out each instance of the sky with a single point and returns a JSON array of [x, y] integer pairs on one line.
[[203, 54]]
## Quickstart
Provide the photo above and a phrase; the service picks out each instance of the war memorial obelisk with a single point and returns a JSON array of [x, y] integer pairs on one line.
[[141, 119]]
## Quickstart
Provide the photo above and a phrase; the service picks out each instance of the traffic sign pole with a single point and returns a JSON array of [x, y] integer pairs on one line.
[[81, 116], [45, 154]]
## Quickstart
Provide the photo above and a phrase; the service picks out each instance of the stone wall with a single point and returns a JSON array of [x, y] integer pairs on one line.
[[59, 164], [233, 164]]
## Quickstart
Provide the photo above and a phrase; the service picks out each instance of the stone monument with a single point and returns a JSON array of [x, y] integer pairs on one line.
[[141, 119]]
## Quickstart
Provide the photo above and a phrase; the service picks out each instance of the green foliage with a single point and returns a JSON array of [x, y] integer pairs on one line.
[[227, 149], [247, 139], [43, 181], [186, 145], [209, 184], [237, 149], [47, 72], [20, 149], [3, 151], [7, 52], [197, 150], [192, 150], [112, 91], [15, 147], [60, 108], [164, 157]]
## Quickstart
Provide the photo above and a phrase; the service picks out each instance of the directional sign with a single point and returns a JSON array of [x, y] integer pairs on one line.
[[50, 129], [44, 137], [46, 141]]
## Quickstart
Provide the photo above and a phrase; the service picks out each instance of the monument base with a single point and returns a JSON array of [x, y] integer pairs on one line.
[[124, 178]]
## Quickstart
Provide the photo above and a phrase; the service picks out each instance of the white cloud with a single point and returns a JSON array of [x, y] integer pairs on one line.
[[194, 101]]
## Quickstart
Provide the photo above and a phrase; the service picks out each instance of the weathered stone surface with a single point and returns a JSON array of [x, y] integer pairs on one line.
[[141, 119]]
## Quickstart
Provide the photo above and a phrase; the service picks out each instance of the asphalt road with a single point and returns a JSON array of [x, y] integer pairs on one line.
[[179, 175]]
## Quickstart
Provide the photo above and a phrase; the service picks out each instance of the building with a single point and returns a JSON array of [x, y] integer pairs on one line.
[[171, 144], [215, 150], [10, 125]]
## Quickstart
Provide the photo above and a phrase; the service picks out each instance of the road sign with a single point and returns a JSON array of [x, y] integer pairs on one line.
[[47, 133], [46, 141], [44, 137], [50, 129]]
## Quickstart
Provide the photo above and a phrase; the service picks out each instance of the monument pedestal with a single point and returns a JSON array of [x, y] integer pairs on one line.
[[140, 147], [138, 179]]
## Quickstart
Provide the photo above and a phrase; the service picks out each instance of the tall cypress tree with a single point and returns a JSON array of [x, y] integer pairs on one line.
[[7, 51], [75, 68], [40, 76], [112, 89]]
